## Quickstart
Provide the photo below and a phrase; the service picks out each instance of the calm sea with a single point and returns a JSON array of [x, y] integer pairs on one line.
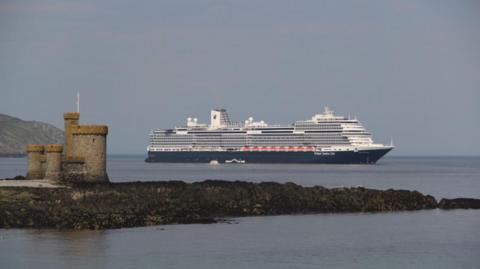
[[422, 239]]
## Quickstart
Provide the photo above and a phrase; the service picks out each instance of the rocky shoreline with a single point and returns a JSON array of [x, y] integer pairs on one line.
[[117, 205], [459, 203]]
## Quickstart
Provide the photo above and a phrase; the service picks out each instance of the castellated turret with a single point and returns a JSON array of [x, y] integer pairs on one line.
[[53, 170], [71, 119], [90, 144], [34, 157]]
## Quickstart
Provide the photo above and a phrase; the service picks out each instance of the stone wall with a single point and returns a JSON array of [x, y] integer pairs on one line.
[[74, 169], [53, 168], [43, 164], [34, 157], [90, 143]]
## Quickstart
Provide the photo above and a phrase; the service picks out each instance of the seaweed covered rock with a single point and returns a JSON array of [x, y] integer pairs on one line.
[[459, 203], [19, 177], [115, 205]]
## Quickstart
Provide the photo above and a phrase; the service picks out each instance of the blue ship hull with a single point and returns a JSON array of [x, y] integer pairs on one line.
[[339, 157]]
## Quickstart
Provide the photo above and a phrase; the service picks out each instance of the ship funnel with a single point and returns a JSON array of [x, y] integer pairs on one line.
[[219, 119]]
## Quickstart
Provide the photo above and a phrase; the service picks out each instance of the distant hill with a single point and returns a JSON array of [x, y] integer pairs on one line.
[[15, 134]]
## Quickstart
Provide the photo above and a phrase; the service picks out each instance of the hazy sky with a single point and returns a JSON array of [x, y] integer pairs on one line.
[[407, 69]]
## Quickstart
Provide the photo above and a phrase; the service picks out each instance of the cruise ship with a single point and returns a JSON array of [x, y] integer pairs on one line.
[[324, 138]]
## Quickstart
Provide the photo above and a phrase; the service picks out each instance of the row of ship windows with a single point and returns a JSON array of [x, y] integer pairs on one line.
[[246, 137], [262, 140], [295, 138], [247, 142], [313, 141], [259, 140], [250, 142], [318, 126], [324, 131], [250, 138], [242, 132], [255, 135]]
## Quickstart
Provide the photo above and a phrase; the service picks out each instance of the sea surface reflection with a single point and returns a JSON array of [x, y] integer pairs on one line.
[[422, 239]]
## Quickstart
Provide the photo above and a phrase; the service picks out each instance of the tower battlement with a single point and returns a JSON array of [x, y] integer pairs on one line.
[[35, 148], [89, 130], [71, 115], [54, 148]]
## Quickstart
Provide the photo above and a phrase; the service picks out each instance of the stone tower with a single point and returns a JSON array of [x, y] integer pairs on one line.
[[34, 157], [53, 168], [84, 156], [71, 119], [89, 143]]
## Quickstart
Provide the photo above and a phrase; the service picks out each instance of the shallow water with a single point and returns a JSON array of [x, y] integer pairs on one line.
[[421, 239]]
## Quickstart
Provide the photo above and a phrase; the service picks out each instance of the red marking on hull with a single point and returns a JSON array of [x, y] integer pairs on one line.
[[278, 148]]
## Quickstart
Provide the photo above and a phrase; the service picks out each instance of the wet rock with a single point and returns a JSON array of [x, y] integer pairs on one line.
[[19, 177], [459, 203], [116, 205]]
